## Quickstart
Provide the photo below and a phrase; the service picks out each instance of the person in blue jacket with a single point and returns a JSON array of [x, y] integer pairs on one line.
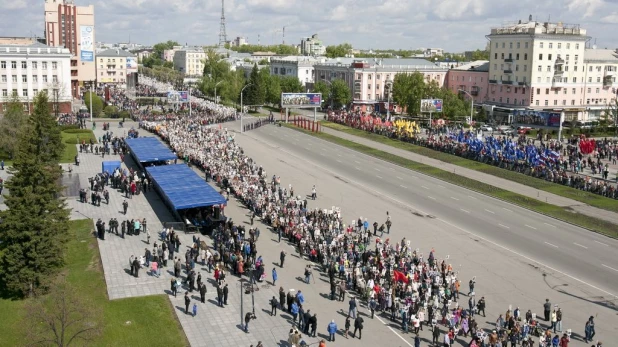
[[294, 311], [332, 330]]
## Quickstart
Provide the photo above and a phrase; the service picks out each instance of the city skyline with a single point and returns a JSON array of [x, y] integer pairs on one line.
[[456, 26]]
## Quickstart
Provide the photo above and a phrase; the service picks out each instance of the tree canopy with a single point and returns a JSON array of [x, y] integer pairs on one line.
[[279, 49], [338, 51], [11, 124], [156, 58], [340, 93], [97, 104]]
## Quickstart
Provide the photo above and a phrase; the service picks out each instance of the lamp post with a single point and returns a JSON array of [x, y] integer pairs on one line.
[[56, 101], [216, 84], [91, 101], [471, 104], [330, 92], [389, 83], [241, 106]]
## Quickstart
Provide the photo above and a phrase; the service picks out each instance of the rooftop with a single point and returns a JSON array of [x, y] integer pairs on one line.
[[608, 55], [478, 65], [115, 53], [534, 27], [386, 63], [32, 48]]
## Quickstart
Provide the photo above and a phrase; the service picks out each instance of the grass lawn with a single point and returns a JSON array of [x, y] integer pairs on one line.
[[558, 212], [71, 138], [152, 319], [567, 192], [5, 156]]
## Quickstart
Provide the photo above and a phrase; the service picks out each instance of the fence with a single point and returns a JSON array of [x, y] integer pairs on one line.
[[306, 124]]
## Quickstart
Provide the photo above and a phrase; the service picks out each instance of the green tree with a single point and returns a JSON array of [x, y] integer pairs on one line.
[[480, 55], [34, 228], [273, 90], [256, 92], [11, 124], [338, 51], [290, 84], [156, 58], [341, 93], [111, 111], [324, 89], [408, 90], [97, 104]]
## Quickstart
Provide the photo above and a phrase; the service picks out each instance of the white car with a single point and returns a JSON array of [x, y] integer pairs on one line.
[[486, 128]]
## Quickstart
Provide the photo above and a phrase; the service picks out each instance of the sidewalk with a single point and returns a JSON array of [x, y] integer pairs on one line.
[[485, 178]]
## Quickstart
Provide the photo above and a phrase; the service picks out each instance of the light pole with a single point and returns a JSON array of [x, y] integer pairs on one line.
[[241, 106], [56, 101], [471, 104], [389, 83], [216, 84], [330, 92], [90, 101]]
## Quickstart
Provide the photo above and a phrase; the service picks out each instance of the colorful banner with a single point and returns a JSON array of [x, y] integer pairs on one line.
[[131, 65], [301, 100], [86, 43], [174, 96], [536, 118], [431, 105]]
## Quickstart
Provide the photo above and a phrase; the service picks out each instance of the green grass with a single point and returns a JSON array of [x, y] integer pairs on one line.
[[567, 192], [71, 138], [153, 321], [532, 204], [5, 156]]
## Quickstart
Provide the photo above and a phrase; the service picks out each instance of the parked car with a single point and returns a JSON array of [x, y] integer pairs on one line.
[[486, 127]]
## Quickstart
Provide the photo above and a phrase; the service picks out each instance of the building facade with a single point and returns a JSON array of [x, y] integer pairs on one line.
[[312, 46], [190, 60], [27, 69], [114, 65], [300, 67], [471, 78], [72, 27]]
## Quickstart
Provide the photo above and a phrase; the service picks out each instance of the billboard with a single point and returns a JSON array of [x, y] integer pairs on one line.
[[174, 96], [131, 65], [301, 100], [86, 49], [431, 105], [536, 118]]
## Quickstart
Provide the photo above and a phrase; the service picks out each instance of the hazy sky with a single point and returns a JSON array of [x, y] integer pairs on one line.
[[455, 25]]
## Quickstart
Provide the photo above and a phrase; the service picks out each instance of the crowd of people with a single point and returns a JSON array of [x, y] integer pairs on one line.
[[559, 162]]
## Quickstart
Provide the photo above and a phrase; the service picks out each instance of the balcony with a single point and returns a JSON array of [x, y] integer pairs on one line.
[[607, 81], [493, 81], [508, 71], [508, 60], [557, 83], [474, 91], [507, 82], [558, 72], [559, 61]]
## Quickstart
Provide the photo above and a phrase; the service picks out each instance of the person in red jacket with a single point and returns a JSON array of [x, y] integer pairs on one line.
[[564, 341]]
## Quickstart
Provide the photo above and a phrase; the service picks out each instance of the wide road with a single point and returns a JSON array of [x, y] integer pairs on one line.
[[519, 257]]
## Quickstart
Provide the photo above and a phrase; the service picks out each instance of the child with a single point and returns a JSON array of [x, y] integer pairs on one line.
[[347, 326], [194, 310]]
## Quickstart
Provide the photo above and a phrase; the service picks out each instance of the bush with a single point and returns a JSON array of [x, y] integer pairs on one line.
[[76, 131], [68, 127]]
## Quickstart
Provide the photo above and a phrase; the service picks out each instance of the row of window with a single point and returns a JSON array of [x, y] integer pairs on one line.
[[24, 92], [111, 60], [546, 102], [541, 45], [24, 78], [24, 65]]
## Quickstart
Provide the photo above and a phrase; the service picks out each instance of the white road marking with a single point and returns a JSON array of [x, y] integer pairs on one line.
[[402, 186], [441, 186], [357, 168], [307, 148], [425, 187], [464, 210], [378, 176], [339, 155], [601, 243], [431, 197], [504, 226], [609, 267], [339, 161], [357, 162], [506, 209], [480, 237], [286, 135], [492, 212], [394, 332], [399, 178], [375, 168], [551, 244], [471, 197], [582, 246], [454, 198], [530, 226], [553, 226]]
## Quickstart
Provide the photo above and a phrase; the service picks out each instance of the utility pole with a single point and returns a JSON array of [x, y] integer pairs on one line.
[[284, 35]]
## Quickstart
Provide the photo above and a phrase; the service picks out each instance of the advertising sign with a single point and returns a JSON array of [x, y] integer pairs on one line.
[[174, 96], [301, 100], [431, 105], [536, 118], [131, 65], [86, 43]]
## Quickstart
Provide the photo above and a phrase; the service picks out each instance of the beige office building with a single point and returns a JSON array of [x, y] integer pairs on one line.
[[72, 27]]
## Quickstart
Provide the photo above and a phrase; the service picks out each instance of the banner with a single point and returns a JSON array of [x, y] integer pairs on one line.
[[431, 105], [131, 65], [86, 43], [536, 118], [301, 100], [174, 96]]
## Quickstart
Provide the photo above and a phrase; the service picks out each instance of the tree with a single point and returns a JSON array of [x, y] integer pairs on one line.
[[255, 93], [408, 90], [323, 88], [156, 58], [34, 228], [62, 318], [111, 111], [480, 55], [11, 124], [341, 94], [273, 90], [338, 51], [97, 103], [290, 84]]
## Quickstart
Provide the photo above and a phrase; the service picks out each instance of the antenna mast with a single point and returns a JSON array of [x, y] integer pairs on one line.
[[222, 34]]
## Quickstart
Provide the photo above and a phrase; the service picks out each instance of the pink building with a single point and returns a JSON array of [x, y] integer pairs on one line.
[[471, 78]]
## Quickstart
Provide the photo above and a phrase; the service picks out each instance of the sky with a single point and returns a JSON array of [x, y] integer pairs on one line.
[[454, 25]]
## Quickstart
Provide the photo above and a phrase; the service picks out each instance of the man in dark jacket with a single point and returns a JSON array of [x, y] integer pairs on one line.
[[226, 291], [273, 306], [358, 326], [313, 322], [187, 302], [435, 335], [219, 296], [203, 292]]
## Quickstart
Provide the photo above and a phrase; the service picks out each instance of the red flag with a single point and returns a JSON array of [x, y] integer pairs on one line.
[[400, 276]]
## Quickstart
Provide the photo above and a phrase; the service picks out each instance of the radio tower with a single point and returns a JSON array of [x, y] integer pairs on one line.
[[222, 34]]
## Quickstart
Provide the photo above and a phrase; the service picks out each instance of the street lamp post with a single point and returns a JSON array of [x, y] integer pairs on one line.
[[471, 104], [330, 92], [241, 106], [216, 84], [56, 101], [389, 83], [90, 101]]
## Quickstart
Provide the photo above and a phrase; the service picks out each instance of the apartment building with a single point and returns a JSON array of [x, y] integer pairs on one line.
[[471, 78], [114, 65], [27, 68], [312, 46], [72, 27], [190, 60], [297, 66]]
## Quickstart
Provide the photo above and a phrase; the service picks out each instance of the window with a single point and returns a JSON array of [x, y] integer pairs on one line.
[[572, 102], [510, 45], [548, 68], [517, 56], [14, 78], [555, 102], [566, 68], [24, 78], [577, 46], [597, 90], [377, 76], [567, 57], [44, 65], [35, 65], [3, 64], [13, 65], [546, 90], [551, 45], [501, 66], [538, 79], [563, 102], [5, 92], [541, 56], [24, 92], [359, 76], [573, 91], [559, 45], [369, 77], [590, 68], [576, 57], [508, 100], [35, 92], [368, 85], [574, 79], [537, 102], [377, 85], [495, 68], [568, 46], [502, 56], [3, 78], [525, 68], [503, 44], [540, 44], [525, 56], [589, 79], [45, 78], [495, 55], [526, 45], [24, 65], [549, 57], [598, 79], [575, 68], [496, 44], [546, 102], [565, 91], [518, 45], [540, 68]]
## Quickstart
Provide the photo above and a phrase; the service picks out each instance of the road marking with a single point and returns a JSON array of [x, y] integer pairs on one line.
[[357, 162], [307, 148], [601, 243], [378, 176], [431, 197], [322, 154], [471, 197], [504, 226], [582, 246], [394, 332], [464, 210], [492, 212], [530, 226], [425, 187], [441, 186], [392, 168], [285, 135], [553, 226], [357, 168], [339, 155], [339, 161], [454, 226], [375, 168], [399, 178], [454, 198], [506, 209], [402, 186], [609, 267], [551, 244]]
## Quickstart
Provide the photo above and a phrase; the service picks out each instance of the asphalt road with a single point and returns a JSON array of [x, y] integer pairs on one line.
[[518, 257]]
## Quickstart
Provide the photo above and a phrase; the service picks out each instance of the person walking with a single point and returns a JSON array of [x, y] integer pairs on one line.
[[273, 306], [589, 330], [194, 310], [219, 296], [203, 292], [248, 318], [125, 206], [352, 307], [282, 258], [187, 302], [435, 334], [372, 306], [547, 309], [347, 327], [274, 276], [226, 291], [358, 326], [332, 330]]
